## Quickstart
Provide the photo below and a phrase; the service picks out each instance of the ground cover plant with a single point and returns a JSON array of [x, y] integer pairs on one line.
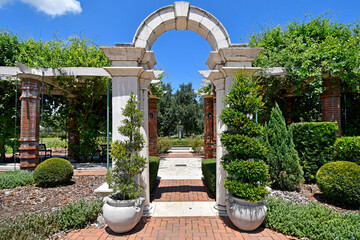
[[208, 168], [12, 179], [42, 225], [282, 158], [340, 182], [312, 221], [314, 142], [248, 173]]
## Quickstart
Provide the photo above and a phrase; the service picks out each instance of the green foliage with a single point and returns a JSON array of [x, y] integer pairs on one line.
[[125, 154], [41, 226], [163, 144], [52, 172], [340, 182], [347, 149], [208, 167], [311, 221], [205, 89], [314, 142], [154, 163], [181, 107], [283, 160], [248, 173], [309, 49], [12, 179], [180, 142], [196, 143]]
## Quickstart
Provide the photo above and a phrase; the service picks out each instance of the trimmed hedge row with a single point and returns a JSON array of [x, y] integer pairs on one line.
[[41, 226], [340, 182], [208, 167], [314, 142], [347, 149], [154, 163]]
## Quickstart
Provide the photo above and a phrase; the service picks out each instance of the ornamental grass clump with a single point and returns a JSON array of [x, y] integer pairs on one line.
[[125, 154], [283, 160], [248, 173]]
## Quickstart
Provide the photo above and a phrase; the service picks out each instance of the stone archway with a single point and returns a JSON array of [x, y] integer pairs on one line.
[[132, 64]]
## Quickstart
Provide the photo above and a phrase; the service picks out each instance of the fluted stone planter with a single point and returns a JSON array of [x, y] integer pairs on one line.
[[122, 215], [245, 215]]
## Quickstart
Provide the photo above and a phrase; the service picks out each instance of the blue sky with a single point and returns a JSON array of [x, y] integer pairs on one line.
[[180, 53]]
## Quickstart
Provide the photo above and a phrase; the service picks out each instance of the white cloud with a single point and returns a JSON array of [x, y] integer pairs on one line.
[[52, 7]]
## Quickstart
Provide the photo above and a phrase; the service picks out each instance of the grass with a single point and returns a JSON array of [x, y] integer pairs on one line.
[[53, 142], [12, 179], [42, 225]]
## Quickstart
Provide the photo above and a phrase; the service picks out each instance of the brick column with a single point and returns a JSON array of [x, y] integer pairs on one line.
[[330, 103], [153, 125], [73, 135], [30, 121], [208, 126], [214, 124]]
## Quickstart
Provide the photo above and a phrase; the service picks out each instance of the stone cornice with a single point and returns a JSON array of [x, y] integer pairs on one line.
[[124, 71]]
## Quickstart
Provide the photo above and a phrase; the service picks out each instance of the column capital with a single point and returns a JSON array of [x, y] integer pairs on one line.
[[30, 76], [124, 71], [232, 71]]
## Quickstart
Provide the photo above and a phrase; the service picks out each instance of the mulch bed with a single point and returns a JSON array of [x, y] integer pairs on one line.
[[35, 199]]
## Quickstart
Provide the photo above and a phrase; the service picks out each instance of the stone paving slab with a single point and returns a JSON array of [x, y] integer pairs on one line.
[[183, 209], [180, 168], [172, 228], [182, 190]]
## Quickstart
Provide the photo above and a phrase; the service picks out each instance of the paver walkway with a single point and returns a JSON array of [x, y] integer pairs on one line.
[[182, 209]]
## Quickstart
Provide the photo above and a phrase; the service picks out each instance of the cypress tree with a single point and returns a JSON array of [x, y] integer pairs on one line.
[[282, 158]]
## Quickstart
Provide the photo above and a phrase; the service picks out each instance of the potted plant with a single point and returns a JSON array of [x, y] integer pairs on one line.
[[123, 209], [247, 179]]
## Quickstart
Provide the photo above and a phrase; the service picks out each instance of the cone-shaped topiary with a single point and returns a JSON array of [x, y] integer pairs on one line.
[[248, 173], [283, 160], [125, 154]]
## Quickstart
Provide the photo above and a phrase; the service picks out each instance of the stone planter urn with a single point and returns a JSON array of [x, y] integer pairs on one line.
[[245, 215], [122, 215]]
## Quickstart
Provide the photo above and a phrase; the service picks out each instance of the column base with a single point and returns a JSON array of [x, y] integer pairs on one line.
[[220, 208]]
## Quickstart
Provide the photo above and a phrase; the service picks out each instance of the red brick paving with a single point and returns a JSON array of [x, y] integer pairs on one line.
[[182, 191], [182, 155], [173, 228]]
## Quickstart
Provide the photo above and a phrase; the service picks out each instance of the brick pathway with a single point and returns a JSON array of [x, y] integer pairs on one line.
[[181, 155], [182, 191], [201, 228]]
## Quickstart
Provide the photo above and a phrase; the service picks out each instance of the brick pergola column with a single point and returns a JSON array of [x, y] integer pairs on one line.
[[214, 124], [153, 125], [208, 126], [73, 135], [331, 103], [30, 121]]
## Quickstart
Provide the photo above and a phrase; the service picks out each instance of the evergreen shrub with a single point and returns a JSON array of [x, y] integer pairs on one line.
[[52, 172], [196, 143], [314, 142], [347, 149], [248, 173], [340, 182], [283, 160], [208, 167], [154, 163], [163, 145]]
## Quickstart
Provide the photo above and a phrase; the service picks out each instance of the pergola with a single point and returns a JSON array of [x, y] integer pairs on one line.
[[132, 70]]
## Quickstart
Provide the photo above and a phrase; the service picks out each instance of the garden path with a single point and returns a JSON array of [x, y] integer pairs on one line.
[[182, 208]]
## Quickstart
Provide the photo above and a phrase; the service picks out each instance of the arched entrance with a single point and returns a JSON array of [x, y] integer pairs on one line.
[[132, 65]]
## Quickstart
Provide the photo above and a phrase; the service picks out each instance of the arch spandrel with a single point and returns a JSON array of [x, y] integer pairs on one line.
[[181, 16]]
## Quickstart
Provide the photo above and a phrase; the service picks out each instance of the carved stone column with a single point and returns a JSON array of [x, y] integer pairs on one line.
[[30, 121]]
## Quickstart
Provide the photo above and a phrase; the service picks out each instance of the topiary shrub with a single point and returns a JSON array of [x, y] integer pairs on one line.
[[248, 173], [208, 167], [340, 182], [283, 160], [347, 149], [163, 145], [314, 142], [52, 172]]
